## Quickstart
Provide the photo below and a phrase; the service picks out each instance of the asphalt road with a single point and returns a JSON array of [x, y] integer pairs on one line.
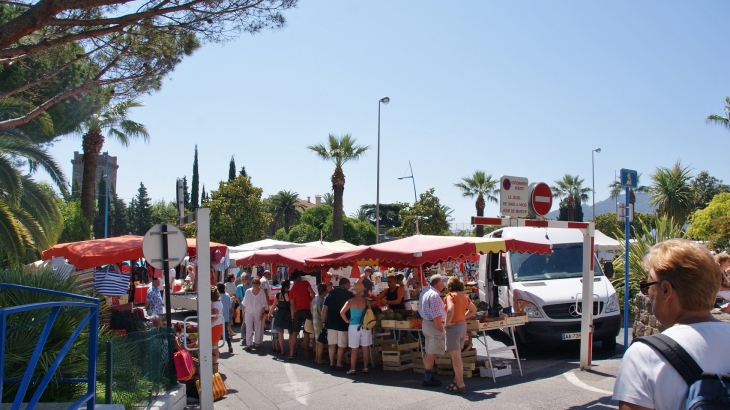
[[552, 380]]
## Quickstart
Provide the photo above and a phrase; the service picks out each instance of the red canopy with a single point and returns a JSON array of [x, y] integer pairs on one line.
[[88, 254], [423, 250], [291, 257]]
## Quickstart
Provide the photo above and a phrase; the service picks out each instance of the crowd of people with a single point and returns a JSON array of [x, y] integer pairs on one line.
[[333, 317]]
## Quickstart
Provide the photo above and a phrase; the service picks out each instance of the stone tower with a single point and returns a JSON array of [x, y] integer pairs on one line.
[[78, 170]]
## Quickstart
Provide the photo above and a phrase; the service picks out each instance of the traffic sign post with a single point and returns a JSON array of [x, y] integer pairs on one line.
[[159, 253], [541, 199], [629, 179], [513, 196]]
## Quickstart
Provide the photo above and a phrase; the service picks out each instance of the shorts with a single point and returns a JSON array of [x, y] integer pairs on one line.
[[300, 316], [435, 340], [455, 337], [357, 336], [337, 337], [216, 333]]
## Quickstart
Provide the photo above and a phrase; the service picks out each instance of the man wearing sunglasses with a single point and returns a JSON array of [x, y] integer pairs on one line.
[[682, 284]]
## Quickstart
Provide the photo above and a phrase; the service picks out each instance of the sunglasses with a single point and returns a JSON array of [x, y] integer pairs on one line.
[[644, 286]]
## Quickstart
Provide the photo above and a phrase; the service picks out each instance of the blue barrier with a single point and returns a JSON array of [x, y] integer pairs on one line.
[[91, 319]]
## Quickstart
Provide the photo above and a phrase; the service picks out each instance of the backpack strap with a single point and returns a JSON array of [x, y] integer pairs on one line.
[[682, 362]]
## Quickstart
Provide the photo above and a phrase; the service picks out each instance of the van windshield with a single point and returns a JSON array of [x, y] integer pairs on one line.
[[566, 261]]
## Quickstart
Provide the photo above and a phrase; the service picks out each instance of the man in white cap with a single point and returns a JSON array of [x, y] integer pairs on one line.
[[265, 285]]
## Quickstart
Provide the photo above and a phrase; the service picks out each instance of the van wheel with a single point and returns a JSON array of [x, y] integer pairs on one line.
[[609, 344]]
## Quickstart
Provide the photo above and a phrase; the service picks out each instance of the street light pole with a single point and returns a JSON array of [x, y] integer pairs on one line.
[[593, 175], [385, 100], [106, 196], [415, 197]]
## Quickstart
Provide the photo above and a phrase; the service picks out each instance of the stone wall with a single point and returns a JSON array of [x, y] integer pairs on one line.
[[645, 323]]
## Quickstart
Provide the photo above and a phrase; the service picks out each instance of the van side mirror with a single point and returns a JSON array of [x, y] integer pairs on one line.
[[608, 269], [500, 278]]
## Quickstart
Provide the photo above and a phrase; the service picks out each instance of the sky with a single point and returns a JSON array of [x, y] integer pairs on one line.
[[516, 88]]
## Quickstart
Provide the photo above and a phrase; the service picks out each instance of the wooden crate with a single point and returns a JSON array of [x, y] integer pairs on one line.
[[402, 324], [400, 368], [390, 324], [395, 346], [515, 320], [396, 358]]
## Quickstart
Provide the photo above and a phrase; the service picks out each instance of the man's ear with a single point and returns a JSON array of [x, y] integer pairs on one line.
[[666, 288]]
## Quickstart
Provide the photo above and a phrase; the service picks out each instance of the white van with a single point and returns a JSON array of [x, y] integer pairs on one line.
[[547, 287]]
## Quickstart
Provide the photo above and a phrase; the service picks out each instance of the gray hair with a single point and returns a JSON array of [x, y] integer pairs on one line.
[[435, 279]]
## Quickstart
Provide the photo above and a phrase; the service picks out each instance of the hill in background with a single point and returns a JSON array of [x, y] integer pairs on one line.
[[643, 205]]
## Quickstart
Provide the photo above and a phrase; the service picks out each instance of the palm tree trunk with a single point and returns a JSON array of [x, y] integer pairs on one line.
[[338, 186], [480, 212], [91, 143], [570, 204]]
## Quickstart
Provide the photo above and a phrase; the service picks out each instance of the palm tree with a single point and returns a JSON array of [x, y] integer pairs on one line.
[[671, 192], [570, 189], [328, 199], [29, 216], [360, 215], [483, 187], [340, 151], [116, 123], [286, 209], [617, 189], [723, 120]]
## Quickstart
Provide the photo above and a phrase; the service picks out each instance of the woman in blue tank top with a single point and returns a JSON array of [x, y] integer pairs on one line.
[[356, 335]]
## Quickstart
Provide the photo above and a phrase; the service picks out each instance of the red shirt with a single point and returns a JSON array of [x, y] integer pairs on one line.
[[299, 293]]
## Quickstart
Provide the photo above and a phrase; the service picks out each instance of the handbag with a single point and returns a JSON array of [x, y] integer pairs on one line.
[[309, 326], [219, 388], [368, 320], [322, 338], [184, 367]]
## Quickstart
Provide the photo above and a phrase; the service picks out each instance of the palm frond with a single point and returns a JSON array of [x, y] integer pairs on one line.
[[10, 180], [13, 234], [41, 205]]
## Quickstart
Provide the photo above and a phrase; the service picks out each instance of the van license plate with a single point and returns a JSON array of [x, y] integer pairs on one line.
[[571, 336]]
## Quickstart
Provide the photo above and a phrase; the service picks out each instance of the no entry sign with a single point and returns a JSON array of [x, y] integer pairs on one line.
[[541, 199]]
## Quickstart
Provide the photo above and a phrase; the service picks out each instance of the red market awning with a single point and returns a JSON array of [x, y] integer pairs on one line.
[[423, 250], [291, 257], [98, 252]]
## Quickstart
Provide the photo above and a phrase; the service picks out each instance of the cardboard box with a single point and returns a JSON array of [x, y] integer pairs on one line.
[[498, 372], [472, 325]]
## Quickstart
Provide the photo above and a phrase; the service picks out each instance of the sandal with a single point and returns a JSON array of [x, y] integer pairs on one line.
[[351, 372], [365, 370], [291, 357], [453, 388]]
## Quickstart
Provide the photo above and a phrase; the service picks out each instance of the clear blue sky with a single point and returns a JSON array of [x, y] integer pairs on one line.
[[511, 88]]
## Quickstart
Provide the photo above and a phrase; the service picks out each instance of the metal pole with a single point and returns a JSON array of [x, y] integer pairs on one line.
[[204, 320], [106, 198], [108, 380], [626, 273], [586, 320], [377, 193], [166, 269], [593, 175]]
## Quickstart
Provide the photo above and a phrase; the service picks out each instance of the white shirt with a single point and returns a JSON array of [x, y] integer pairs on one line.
[[645, 378], [254, 304], [218, 319]]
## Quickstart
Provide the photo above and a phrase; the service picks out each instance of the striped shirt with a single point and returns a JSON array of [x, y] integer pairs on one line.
[[431, 305]]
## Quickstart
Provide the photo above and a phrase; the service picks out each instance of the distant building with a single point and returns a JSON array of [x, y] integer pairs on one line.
[[308, 203], [78, 170]]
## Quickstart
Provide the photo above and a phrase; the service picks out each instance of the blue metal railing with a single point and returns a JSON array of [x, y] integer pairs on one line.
[[75, 303]]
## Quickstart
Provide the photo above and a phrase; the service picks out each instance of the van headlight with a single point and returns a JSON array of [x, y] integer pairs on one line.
[[612, 305], [528, 307]]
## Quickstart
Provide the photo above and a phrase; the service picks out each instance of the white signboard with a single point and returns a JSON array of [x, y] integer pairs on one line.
[[514, 196]]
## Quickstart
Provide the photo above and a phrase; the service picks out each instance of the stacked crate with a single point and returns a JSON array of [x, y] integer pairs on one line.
[[398, 356], [444, 365]]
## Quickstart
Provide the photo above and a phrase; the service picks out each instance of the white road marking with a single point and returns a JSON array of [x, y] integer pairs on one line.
[[574, 379], [300, 389]]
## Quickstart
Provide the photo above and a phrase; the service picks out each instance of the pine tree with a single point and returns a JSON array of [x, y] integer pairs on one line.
[[142, 212], [118, 215], [195, 185], [186, 194], [242, 172], [231, 171]]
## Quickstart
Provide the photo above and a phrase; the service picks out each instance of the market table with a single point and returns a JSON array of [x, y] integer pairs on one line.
[[510, 330], [140, 293]]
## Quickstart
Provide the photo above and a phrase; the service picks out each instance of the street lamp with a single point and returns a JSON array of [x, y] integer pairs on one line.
[[593, 175], [385, 100], [106, 196], [415, 198]]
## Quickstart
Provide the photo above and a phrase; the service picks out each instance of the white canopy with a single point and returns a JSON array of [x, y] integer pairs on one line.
[[263, 244], [602, 242]]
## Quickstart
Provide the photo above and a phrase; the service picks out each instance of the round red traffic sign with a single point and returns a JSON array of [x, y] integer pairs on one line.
[[541, 199]]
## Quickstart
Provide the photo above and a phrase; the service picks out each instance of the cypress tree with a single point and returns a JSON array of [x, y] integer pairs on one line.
[[195, 188], [202, 195], [231, 171], [186, 194]]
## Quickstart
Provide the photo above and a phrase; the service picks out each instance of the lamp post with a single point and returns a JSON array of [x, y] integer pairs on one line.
[[593, 176], [384, 100], [106, 196], [415, 197]]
